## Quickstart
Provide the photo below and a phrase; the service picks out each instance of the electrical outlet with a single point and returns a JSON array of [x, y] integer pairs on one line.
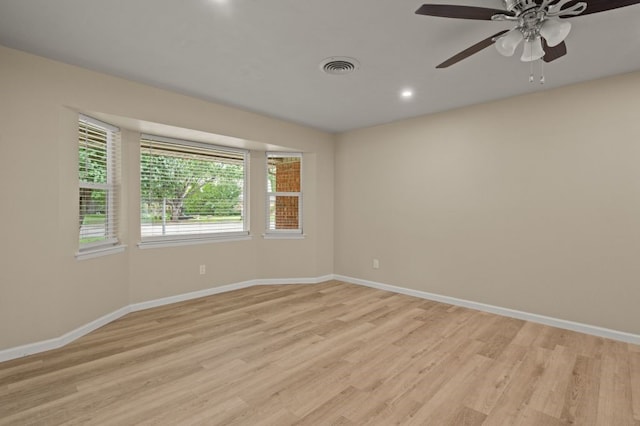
[[376, 264], [203, 269]]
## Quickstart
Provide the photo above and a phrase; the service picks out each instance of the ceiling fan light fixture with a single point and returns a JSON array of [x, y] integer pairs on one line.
[[555, 31], [508, 43], [532, 50]]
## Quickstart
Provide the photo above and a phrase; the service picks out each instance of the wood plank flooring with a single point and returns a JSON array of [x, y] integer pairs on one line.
[[325, 354]]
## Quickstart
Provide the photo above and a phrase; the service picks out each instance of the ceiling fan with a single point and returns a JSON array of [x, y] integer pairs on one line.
[[540, 24]]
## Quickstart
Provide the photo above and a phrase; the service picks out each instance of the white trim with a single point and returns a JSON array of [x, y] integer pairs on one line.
[[281, 154], [168, 242], [99, 252], [291, 281], [284, 194], [96, 185], [268, 229], [284, 235], [110, 187], [46, 345], [57, 342], [141, 306], [98, 123], [97, 245], [223, 289], [512, 313], [195, 144]]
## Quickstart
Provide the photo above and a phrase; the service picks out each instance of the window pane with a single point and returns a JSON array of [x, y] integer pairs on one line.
[[188, 190], [93, 215], [92, 154], [97, 175], [284, 212], [284, 192], [284, 174]]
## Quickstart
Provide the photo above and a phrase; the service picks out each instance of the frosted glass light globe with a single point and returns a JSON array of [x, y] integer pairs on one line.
[[508, 43], [555, 31], [532, 50]]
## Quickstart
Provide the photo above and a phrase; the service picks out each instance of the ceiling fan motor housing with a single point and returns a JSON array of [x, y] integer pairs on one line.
[[518, 6]]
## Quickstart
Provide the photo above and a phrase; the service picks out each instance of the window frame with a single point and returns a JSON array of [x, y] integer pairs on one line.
[[283, 233], [112, 242], [200, 237]]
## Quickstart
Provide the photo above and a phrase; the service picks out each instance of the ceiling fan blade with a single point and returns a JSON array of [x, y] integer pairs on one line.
[[471, 50], [460, 12], [597, 6], [553, 53]]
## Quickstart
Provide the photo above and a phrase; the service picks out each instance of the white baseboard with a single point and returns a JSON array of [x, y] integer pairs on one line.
[[57, 342], [46, 345], [275, 281], [140, 306], [540, 319], [225, 288]]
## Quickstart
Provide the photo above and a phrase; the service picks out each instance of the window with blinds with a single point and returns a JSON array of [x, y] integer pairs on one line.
[[97, 171], [191, 190], [284, 193]]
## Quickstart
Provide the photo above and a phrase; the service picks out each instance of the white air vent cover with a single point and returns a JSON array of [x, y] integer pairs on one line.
[[339, 65]]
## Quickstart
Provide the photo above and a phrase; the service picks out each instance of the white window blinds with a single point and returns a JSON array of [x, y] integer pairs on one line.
[[98, 155], [191, 190]]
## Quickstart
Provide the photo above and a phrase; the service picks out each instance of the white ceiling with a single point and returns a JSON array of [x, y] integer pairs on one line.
[[264, 56]]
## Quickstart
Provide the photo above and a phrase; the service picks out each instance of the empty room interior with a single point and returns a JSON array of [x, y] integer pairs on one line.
[[275, 213]]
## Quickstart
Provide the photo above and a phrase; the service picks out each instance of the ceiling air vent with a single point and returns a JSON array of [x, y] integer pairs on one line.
[[339, 65]]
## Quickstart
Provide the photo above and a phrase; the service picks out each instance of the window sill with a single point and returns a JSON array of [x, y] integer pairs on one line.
[[188, 242], [284, 236], [99, 252]]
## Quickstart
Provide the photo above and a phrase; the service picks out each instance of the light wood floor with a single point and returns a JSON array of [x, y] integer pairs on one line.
[[326, 354]]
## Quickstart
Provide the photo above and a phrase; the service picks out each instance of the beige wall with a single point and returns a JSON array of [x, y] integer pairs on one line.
[[530, 203], [44, 291]]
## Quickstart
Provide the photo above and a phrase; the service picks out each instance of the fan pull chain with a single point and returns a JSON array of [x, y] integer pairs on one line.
[[531, 72], [532, 75]]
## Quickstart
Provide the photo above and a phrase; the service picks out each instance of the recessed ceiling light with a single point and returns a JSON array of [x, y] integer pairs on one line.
[[406, 94]]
